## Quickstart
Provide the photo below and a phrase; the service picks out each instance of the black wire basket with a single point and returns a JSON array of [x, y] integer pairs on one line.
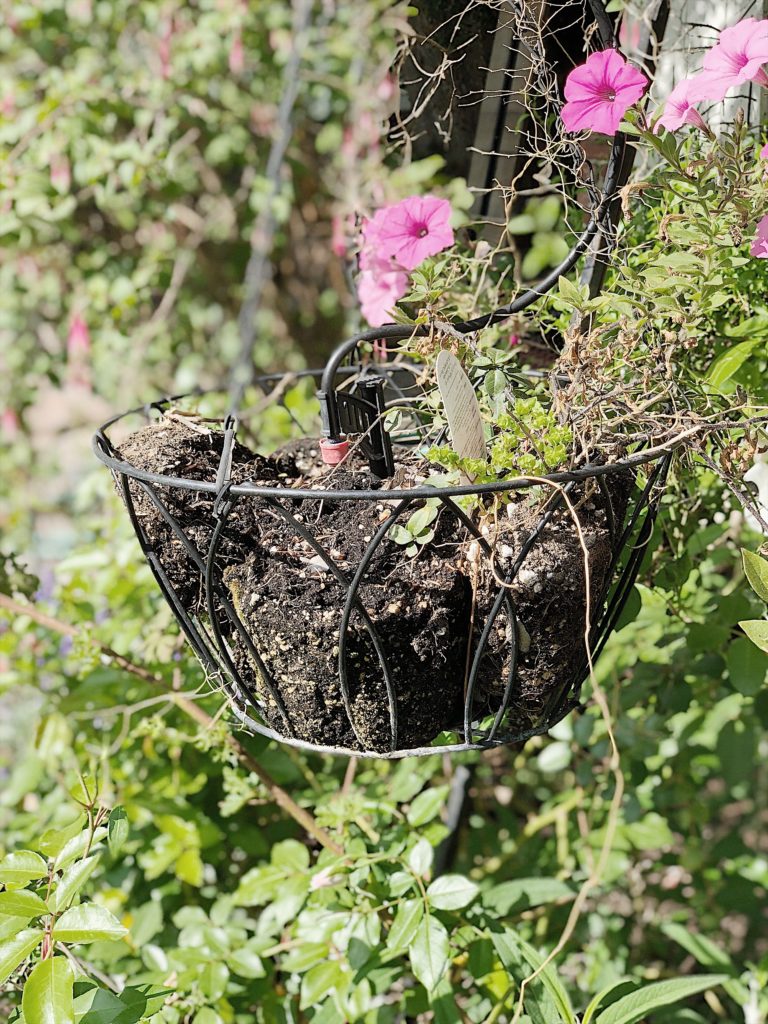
[[461, 702], [372, 651]]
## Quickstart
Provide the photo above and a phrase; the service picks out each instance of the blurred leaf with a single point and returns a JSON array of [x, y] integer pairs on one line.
[[756, 569]]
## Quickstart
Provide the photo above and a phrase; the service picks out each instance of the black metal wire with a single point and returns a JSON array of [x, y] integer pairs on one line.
[[248, 688]]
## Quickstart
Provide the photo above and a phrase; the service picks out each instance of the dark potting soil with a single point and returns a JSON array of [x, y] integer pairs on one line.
[[418, 610]]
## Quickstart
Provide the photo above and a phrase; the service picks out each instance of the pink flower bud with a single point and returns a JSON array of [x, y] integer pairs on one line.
[[237, 54], [164, 48], [9, 423], [78, 352], [338, 237], [513, 340]]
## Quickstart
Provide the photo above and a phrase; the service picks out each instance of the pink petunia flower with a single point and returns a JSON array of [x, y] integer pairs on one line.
[[378, 294], [764, 152], [679, 109], [736, 58], [600, 92], [759, 247], [411, 230], [513, 340]]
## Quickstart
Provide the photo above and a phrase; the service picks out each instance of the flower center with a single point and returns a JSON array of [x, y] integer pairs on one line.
[[608, 94], [421, 230]]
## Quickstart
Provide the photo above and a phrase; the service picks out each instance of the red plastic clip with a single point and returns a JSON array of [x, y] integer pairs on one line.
[[333, 452]]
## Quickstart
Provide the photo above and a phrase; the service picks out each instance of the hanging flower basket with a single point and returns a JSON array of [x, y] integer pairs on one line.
[[327, 633]]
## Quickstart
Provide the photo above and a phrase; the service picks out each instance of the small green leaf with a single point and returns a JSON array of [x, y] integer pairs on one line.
[[15, 951], [757, 631], [729, 362], [747, 667], [451, 892], [117, 830], [21, 903], [427, 805], [319, 981], [407, 919], [48, 994], [756, 569], [511, 949], [420, 858], [21, 867], [660, 994], [71, 882], [570, 292], [52, 841], [429, 952], [88, 923]]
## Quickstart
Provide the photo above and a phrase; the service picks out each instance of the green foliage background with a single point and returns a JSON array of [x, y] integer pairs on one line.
[[198, 898]]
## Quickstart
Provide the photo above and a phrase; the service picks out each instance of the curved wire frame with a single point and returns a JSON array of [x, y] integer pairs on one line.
[[211, 631]]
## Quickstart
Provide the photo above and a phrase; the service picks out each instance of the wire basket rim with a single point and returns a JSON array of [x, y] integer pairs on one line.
[[104, 451]]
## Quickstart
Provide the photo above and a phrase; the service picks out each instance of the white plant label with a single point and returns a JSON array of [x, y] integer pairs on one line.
[[462, 409]]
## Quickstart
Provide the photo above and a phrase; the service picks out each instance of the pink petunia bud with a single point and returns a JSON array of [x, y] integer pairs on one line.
[[78, 352], [164, 48], [9, 423], [513, 340], [237, 54], [61, 173], [338, 237]]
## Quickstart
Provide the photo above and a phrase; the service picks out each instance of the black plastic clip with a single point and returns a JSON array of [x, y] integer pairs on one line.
[[361, 411]]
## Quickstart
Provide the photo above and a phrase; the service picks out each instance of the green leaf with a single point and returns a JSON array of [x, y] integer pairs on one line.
[[420, 858], [427, 805], [22, 903], [21, 867], [522, 893], [77, 845], [756, 569], [660, 994], [213, 980], [706, 952], [409, 914], [594, 1003], [117, 830], [48, 994], [451, 892], [71, 882], [429, 952], [747, 667], [16, 950], [291, 855], [52, 841], [570, 292], [728, 362], [319, 981], [757, 631], [87, 923], [140, 1002], [511, 947]]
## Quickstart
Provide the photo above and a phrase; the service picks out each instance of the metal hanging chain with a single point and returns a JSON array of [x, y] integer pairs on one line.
[[259, 269]]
